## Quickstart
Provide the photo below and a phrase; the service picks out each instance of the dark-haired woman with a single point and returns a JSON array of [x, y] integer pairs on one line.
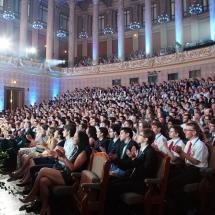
[[177, 137], [102, 143], [59, 136], [92, 134], [49, 177]]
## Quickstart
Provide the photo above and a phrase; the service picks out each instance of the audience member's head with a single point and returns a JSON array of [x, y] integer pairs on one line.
[[102, 133], [128, 123], [147, 136], [176, 131], [114, 131], [212, 125], [156, 127], [192, 130], [69, 130], [126, 134]]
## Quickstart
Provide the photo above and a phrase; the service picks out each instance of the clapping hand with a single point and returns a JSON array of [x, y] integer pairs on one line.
[[60, 152], [52, 153], [61, 159], [128, 153], [178, 149], [113, 157]]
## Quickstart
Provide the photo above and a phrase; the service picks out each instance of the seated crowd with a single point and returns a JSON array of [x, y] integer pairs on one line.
[[134, 55], [49, 141], [87, 61]]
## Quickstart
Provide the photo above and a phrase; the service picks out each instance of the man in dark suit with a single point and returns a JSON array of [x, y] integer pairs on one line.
[[13, 145], [114, 144], [140, 165], [126, 135], [212, 131], [125, 145], [102, 143]]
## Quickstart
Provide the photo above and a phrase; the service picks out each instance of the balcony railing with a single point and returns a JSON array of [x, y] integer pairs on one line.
[[191, 56]]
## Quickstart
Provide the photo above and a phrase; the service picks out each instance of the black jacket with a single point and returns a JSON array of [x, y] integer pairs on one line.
[[121, 147], [101, 144], [113, 147], [144, 166]]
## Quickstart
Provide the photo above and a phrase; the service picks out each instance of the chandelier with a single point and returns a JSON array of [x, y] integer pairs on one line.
[[195, 9], [108, 30], [83, 35], [163, 18], [8, 15], [61, 33], [37, 25], [134, 26]]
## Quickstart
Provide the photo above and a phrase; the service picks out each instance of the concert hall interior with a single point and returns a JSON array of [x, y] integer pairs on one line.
[[107, 107]]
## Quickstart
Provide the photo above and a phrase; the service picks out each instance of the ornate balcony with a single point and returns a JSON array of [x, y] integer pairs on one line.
[[192, 57]]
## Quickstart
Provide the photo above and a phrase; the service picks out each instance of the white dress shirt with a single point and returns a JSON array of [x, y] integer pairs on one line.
[[175, 142], [161, 143], [199, 151]]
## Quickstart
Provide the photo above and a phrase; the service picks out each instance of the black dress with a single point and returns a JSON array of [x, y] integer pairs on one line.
[[66, 172]]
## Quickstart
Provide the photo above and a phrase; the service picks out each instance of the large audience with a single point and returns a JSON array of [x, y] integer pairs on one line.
[[48, 141], [134, 55], [87, 61]]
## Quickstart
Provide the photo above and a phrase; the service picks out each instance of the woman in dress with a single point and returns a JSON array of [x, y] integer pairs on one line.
[[49, 177]]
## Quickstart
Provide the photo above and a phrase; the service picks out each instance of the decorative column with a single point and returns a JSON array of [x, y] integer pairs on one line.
[[109, 38], [50, 30], [10, 25], [71, 51], [163, 36], [56, 27], [84, 41], [23, 27], [95, 32], [194, 25], [76, 37], [163, 24], [212, 19], [135, 14], [148, 28], [136, 41], [135, 18], [179, 22], [120, 26], [35, 32]]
